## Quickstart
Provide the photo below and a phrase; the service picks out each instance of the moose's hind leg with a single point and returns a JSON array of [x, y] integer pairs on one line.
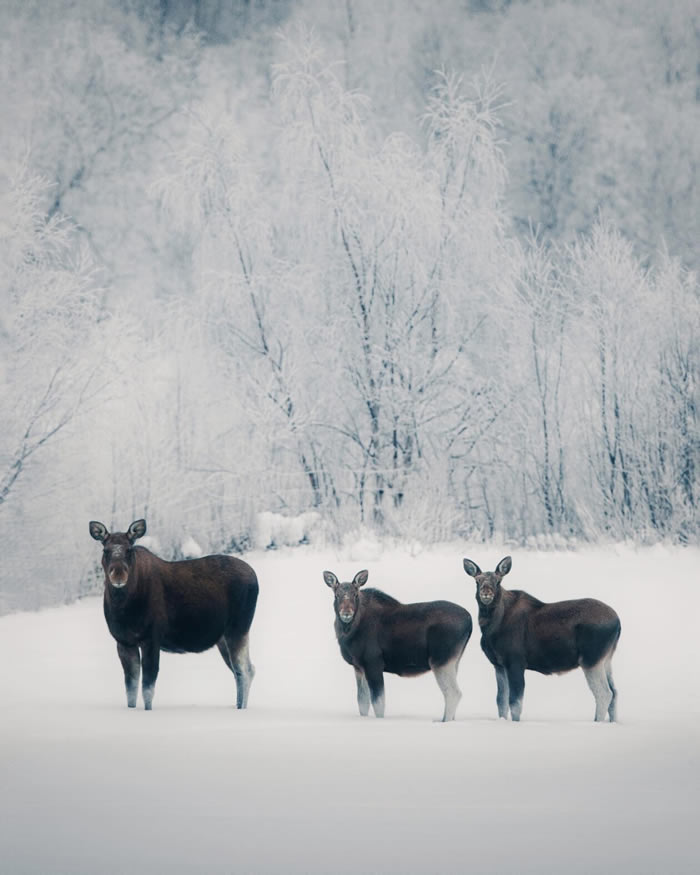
[[612, 707], [223, 650], [446, 677], [597, 679], [235, 653]]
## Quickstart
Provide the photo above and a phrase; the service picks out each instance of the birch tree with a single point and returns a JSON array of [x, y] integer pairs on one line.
[[400, 223]]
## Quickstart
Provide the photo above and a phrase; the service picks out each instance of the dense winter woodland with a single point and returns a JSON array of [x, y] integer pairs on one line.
[[423, 271]]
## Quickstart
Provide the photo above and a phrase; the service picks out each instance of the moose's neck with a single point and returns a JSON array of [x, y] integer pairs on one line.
[[490, 615], [119, 598], [345, 631]]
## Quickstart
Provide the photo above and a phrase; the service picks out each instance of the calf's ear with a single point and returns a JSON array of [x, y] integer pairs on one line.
[[504, 566], [471, 568], [360, 579], [136, 530], [98, 530], [331, 579]]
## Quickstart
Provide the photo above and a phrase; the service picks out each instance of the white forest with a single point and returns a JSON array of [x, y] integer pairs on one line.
[[420, 274]]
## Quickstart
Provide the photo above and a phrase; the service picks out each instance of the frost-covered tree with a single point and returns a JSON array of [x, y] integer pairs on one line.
[[93, 98], [400, 225], [318, 288], [50, 368], [51, 298], [540, 321], [254, 299]]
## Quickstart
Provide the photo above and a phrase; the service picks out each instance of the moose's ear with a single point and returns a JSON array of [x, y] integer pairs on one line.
[[504, 566], [136, 530], [98, 530], [331, 579], [471, 568], [360, 579]]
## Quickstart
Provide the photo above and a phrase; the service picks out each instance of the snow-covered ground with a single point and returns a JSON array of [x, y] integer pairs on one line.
[[300, 783]]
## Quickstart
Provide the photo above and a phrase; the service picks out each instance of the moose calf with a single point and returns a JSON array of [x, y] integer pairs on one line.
[[518, 631], [180, 607], [376, 633]]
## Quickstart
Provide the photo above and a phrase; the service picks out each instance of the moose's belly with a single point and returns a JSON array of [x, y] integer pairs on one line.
[[190, 640], [168, 648], [192, 631], [406, 664], [408, 671], [553, 659]]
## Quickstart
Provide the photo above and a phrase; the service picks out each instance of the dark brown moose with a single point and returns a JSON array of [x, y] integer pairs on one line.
[[376, 633], [180, 607], [518, 631]]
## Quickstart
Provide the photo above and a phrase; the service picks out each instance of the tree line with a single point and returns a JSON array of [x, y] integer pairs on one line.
[[342, 321]]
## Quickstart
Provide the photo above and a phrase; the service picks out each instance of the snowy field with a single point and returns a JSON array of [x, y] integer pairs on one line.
[[300, 783]]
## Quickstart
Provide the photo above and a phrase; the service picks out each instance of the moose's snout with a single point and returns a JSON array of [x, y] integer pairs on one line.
[[115, 561], [118, 574], [346, 607], [486, 593], [346, 611]]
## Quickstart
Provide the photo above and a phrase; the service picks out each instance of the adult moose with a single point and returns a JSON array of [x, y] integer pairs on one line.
[[518, 631], [180, 607], [377, 633]]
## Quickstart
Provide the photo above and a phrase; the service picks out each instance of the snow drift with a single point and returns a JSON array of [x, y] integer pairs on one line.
[[301, 783]]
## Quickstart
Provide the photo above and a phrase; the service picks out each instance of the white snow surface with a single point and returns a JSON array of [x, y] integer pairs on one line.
[[300, 783]]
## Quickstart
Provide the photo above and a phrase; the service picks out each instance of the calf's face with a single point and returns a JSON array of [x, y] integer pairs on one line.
[[347, 595], [117, 550], [116, 559], [488, 584]]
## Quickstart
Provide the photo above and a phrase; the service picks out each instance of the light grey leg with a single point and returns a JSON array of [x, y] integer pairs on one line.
[[446, 676], [150, 662], [362, 692], [130, 658], [612, 707], [375, 680], [378, 705], [516, 689], [502, 692], [598, 682], [237, 657], [223, 650]]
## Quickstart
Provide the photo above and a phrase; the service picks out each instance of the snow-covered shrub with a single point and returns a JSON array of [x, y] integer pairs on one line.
[[277, 530]]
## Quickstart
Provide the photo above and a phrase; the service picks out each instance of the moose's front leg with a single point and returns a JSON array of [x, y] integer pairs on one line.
[[375, 681], [150, 659], [362, 692], [502, 691], [131, 663], [516, 689]]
